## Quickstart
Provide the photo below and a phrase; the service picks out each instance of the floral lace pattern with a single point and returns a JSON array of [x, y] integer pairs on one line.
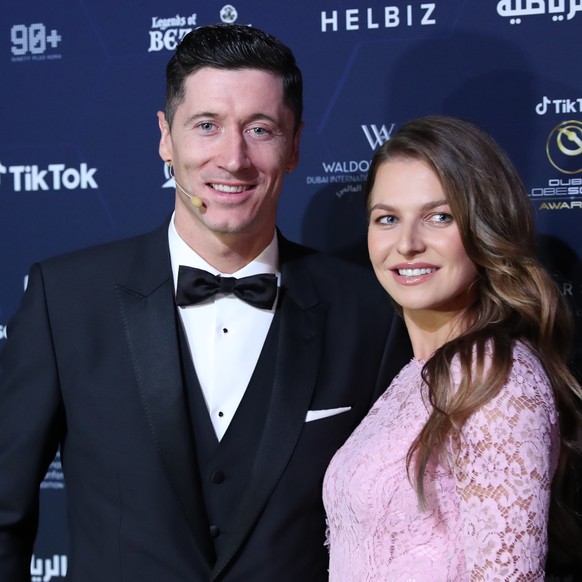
[[487, 498]]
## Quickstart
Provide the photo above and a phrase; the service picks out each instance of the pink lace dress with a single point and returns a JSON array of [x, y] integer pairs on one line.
[[487, 512]]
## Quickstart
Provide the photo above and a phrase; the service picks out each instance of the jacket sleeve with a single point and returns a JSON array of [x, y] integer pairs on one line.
[[397, 352], [31, 426]]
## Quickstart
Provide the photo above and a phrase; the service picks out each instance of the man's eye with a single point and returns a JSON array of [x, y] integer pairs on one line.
[[206, 126], [260, 131]]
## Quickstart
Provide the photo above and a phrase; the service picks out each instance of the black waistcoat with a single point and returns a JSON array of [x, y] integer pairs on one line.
[[225, 467]]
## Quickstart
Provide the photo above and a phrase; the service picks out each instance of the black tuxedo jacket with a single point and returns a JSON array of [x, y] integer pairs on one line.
[[91, 363]]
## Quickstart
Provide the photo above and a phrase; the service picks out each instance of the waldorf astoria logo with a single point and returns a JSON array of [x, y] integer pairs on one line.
[[348, 176], [377, 134]]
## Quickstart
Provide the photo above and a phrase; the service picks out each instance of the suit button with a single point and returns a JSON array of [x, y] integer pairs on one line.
[[214, 531], [217, 477]]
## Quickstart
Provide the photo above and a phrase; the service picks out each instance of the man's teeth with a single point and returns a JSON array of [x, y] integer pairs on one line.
[[228, 189], [414, 272]]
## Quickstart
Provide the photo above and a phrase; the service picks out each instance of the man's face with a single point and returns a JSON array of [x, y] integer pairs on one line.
[[230, 144]]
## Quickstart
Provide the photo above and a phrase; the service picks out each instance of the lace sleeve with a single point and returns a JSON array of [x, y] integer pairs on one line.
[[503, 474]]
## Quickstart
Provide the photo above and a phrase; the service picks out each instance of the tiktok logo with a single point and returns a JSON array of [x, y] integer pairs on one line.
[[32, 178]]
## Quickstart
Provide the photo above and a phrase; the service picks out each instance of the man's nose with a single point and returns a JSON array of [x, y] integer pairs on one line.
[[234, 153]]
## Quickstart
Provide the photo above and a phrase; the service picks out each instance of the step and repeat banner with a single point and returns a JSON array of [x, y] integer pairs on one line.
[[82, 82]]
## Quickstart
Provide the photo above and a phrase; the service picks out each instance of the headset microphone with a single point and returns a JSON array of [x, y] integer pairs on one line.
[[194, 200]]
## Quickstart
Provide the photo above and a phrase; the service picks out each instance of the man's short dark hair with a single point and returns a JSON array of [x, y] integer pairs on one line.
[[233, 47]]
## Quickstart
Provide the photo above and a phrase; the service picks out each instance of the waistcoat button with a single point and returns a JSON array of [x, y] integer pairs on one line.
[[217, 477]]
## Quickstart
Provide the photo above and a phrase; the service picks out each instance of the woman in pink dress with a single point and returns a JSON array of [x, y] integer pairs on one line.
[[449, 476]]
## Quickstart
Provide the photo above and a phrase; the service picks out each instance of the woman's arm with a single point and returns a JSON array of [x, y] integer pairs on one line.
[[506, 459]]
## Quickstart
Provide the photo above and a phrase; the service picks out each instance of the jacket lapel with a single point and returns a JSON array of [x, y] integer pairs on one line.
[[300, 340], [148, 313]]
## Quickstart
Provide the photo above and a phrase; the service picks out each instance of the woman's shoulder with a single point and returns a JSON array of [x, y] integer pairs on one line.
[[528, 389], [527, 368], [526, 386]]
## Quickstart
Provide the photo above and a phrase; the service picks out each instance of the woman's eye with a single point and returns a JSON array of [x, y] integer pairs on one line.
[[441, 218], [388, 219]]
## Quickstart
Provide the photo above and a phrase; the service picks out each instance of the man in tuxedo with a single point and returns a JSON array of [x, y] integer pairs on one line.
[[198, 378]]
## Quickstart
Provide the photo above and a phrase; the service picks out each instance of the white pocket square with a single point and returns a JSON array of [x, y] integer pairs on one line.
[[318, 414]]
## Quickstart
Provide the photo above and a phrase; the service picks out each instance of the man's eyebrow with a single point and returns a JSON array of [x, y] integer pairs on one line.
[[201, 115], [214, 115]]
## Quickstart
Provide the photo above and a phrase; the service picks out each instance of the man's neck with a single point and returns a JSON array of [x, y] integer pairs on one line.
[[226, 252]]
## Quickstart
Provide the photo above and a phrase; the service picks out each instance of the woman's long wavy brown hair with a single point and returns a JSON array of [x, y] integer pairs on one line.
[[516, 298]]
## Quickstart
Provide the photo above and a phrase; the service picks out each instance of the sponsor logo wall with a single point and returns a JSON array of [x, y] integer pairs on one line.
[[82, 82]]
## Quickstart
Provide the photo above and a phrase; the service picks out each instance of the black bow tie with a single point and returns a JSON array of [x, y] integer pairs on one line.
[[195, 285]]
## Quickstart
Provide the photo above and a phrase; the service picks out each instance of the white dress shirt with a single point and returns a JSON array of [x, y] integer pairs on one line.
[[225, 335]]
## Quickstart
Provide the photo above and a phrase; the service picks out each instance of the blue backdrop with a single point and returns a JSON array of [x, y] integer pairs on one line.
[[82, 82]]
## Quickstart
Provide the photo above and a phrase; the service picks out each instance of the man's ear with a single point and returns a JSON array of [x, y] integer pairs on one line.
[[294, 157], [165, 148]]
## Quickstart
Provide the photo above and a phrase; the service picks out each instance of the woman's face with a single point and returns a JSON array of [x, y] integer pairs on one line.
[[414, 242]]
